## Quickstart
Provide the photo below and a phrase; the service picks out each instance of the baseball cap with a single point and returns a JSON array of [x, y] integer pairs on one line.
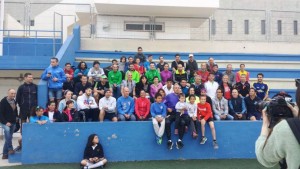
[[191, 55], [104, 77]]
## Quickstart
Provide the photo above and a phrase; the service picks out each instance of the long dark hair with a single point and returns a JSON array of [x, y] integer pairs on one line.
[[67, 104], [90, 140], [79, 65]]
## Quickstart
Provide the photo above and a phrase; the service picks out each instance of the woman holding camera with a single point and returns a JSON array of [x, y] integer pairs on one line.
[[277, 141]]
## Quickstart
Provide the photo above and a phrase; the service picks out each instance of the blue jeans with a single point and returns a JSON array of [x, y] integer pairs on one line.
[[8, 135], [116, 91], [228, 117], [55, 93], [121, 117]]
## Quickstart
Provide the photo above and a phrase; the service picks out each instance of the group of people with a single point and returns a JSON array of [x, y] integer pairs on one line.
[[137, 88]]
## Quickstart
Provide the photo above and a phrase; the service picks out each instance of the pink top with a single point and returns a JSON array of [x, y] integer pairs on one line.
[[154, 89]]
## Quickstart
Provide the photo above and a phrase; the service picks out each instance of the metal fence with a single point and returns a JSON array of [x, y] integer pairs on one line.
[[52, 16]]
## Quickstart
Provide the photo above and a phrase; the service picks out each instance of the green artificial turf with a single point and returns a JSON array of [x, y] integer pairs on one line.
[[178, 164]]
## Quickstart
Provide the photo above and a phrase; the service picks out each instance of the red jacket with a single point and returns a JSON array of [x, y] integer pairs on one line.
[[140, 69], [142, 107], [204, 75], [70, 72], [204, 111]]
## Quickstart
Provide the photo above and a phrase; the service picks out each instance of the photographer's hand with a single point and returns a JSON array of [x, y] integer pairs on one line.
[[265, 126], [294, 111]]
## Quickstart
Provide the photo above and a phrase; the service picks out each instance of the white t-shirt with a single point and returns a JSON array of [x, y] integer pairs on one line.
[[50, 115]]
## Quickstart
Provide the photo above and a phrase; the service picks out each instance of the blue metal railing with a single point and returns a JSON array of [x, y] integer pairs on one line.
[[31, 42]]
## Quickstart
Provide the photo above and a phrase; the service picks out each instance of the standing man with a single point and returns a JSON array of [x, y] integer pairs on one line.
[[230, 74], [140, 55], [262, 89], [191, 66], [55, 77], [27, 97], [242, 72], [179, 74], [176, 62], [160, 66], [150, 74], [8, 117], [147, 63]]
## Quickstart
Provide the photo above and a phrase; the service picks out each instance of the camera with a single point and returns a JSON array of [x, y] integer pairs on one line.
[[276, 108]]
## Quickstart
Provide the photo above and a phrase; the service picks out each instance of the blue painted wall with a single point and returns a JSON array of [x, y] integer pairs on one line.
[[30, 46], [133, 141]]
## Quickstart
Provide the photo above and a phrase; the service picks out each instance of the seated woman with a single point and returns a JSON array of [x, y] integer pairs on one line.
[[142, 85], [163, 95], [142, 107], [67, 96], [192, 92], [155, 87], [69, 114], [82, 69], [38, 117], [53, 114], [93, 153]]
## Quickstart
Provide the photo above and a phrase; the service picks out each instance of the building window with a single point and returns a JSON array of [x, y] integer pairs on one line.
[[246, 23], [279, 26], [31, 22], [263, 27], [213, 27], [229, 27], [134, 27], [295, 27], [144, 27]]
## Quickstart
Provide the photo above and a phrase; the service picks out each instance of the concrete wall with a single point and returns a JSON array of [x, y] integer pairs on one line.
[[190, 46], [133, 141]]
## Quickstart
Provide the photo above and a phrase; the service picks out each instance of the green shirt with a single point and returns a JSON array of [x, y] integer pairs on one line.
[[135, 76], [114, 77], [150, 74]]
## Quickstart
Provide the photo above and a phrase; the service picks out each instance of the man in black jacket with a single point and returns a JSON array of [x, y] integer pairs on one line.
[[8, 116], [191, 66], [27, 97]]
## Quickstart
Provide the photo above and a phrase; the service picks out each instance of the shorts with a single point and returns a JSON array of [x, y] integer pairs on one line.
[[208, 120], [109, 116], [55, 93]]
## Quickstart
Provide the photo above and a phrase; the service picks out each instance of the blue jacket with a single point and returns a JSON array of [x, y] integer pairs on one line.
[[158, 109], [56, 72], [125, 105], [34, 119]]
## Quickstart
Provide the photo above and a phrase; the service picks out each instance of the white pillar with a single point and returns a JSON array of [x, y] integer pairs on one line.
[[1, 26]]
